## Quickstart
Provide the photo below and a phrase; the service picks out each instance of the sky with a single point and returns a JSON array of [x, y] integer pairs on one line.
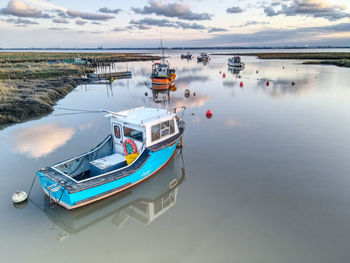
[[205, 23]]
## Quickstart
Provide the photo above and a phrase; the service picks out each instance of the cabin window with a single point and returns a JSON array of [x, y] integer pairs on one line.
[[172, 126], [163, 129], [133, 134], [117, 131], [155, 131]]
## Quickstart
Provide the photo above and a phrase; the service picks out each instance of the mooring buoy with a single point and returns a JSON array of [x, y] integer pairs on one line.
[[19, 197]]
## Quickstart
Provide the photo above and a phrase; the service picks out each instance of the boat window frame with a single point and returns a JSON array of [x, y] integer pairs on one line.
[[120, 131], [133, 138], [165, 129]]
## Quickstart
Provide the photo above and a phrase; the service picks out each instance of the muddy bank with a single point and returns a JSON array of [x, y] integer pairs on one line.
[[21, 100], [339, 63]]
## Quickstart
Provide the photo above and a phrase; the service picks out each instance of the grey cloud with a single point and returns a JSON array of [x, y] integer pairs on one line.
[[147, 22], [22, 9], [119, 29], [217, 29], [136, 24], [58, 28], [60, 21], [253, 23], [80, 22], [280, 37], [234, 10], [96, 23], [88, 16], [110, 11], [313, 8], [177, 9], [194, 26], [20, 21]]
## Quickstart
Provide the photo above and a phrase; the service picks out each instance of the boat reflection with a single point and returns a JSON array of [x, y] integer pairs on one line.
[[164, 87], [143, 203], [235, 70]]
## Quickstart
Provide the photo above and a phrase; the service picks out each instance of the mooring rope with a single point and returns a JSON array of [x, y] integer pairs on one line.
[[31, 187], [82, 110]]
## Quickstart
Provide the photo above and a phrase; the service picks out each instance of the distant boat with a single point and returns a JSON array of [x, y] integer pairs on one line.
[[162, 74], [186, 56], [236, 62], [141, 142], [203, 57]]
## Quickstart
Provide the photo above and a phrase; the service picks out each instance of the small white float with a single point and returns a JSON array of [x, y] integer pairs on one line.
[[19, 197]]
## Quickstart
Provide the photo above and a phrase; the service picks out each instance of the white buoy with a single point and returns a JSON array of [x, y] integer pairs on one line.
[[19, 197]]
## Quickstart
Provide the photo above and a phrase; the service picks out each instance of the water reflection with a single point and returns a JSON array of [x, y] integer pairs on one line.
[[40, 140], [142, 204], [235, 71]]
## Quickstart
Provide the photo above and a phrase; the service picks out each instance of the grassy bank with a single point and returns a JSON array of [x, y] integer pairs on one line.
[[24, 99], [40, 70], [18, 57]]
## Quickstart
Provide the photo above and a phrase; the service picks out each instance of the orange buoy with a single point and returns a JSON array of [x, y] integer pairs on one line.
[[267, 83], [209, 114], [241, 84]]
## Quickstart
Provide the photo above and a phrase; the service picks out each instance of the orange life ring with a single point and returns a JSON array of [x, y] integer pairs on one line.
[[129, 145]]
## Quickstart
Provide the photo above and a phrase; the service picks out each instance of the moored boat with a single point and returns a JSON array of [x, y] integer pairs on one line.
[[203, 57], [141, 142], [162, 74], [236, 62], [186, 56]]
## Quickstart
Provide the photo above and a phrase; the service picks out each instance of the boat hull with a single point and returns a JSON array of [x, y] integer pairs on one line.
[[162, 82], [153, 164]]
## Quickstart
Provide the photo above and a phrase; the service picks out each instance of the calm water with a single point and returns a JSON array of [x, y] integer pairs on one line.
[[266, 179]]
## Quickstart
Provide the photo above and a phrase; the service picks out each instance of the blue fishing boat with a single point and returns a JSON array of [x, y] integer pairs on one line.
[[235, 62], [141, 142]]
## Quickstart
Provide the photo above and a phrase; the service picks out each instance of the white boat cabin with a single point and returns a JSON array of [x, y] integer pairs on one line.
[[144, 126], [160, 70]]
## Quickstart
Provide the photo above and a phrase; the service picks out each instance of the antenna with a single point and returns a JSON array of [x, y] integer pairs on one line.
[[161, 44]]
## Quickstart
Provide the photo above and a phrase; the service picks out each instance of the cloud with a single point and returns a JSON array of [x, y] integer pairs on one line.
[[217, 29], [20, 21], [194, 26], [119, 29], [281, 37], [80, 22], [88, 16], [60, 21], [312, 8], [177, 9], [58, 28], [234, 10], [40, 140], [22, 9], [253, 23], [62, 14], [110, 11], [146, 23]]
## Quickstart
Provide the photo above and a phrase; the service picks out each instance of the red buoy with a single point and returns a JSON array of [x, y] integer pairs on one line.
[[267, 83], [241, 84], [223, 75], [293, 83], [209, 114]]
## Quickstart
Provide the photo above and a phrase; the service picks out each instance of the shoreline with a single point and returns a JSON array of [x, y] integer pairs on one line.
[[32, 82], [340, 59]]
